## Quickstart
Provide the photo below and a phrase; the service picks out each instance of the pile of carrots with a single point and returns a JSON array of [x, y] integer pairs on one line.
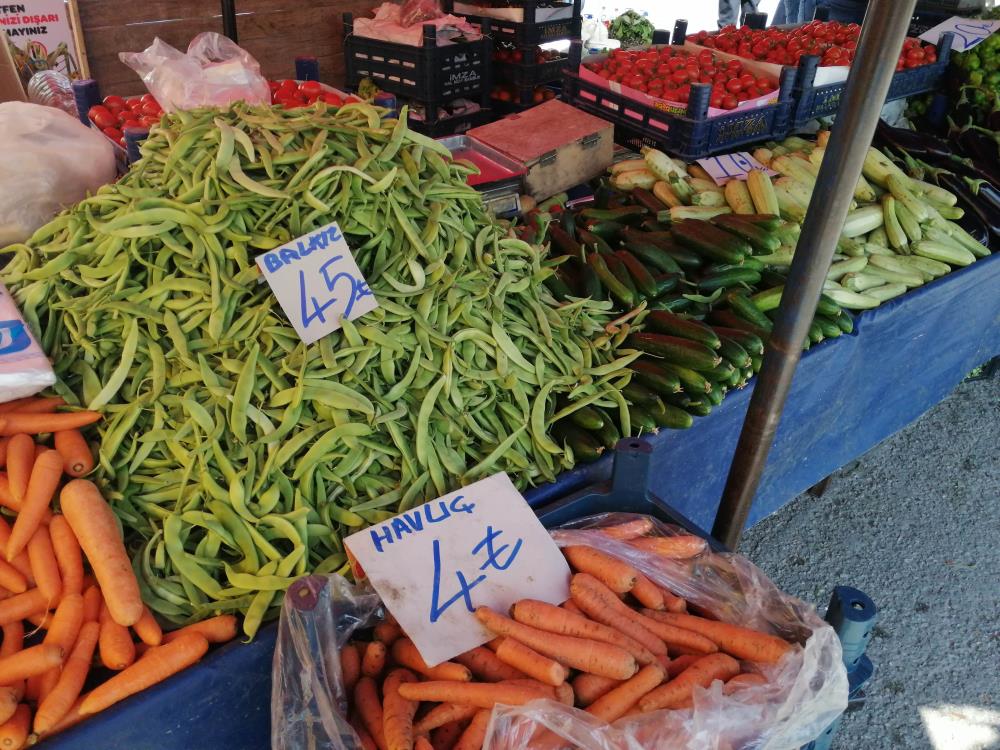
[[45, 586], [621, 645]]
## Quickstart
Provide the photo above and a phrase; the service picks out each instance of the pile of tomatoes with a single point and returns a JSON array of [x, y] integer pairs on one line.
[[668, 73], [834, 42], [117, 113], [292, 94], [509, 93], [508, 53]]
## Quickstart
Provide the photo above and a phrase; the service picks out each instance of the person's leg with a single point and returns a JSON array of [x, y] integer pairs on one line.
[[729, 12]]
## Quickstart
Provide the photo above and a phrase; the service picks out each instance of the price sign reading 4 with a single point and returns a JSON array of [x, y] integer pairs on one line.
[[968, 32], [479, 546], [317, 282], [736, 166]]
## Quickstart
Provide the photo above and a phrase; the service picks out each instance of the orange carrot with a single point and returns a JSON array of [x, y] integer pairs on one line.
[[672, 602], [674, 637], [4, 442], [157, 665], [444, 738], [584, 654], [69, 557], [9, 698], [36, 424], [741, 642], [12, 579], [44, 567], [388, 631], [629, 529], [63, 632], [148, 629], [77, 458], [20, 606], [218, 629], [616, 574], [397, 712], [20, 459], [93, 522], [13, 638], [114, 643], [38, 405], [14, 731], [422, 743], [21, 561], [475, 734], [92, 601], [40, 620], [8, 406], [679, 692], [532, 663], [369, 709], [406, 654], [67, 689], [39, 449], [72, 718], [373, 659], [740, 681], [485, 665], [45, 476], [350, 667], [46, 682], [554, 619], [675, 547], [570, 606], [681, 663], [444, 713], [600, 603], [367, 743], [614, 704], [29, 661], [483, 695], [589, 687], [647, 593]]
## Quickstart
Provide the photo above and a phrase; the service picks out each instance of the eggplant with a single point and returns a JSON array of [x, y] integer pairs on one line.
[[900, 139], [981, 219], [984, 151]]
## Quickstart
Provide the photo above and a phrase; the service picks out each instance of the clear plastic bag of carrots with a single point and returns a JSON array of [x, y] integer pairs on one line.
[[662, 644]]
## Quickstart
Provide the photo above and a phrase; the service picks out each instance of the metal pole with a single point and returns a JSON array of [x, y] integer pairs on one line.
[[882, 37], [229, 19]]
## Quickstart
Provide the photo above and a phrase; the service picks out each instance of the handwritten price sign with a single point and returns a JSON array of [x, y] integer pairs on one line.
[[480, 546], [317, 282], [968, 32], [736, 166]]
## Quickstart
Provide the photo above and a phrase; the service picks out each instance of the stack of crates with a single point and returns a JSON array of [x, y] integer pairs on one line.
[[428, 78], [524, 73]]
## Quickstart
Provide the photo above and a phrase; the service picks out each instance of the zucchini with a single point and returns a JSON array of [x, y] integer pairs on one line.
[[767, 222], [732, 352], [684, 257], [643, 279], [950, 254], [769, 299], [666, 282], [750, 263], [672, 303], [591, 284], [585, 446], [726, 279], [710, 241], [609, 231], [639, 394], [759, 239], [648, 201], [623, 215], [660, 321], [886, 292], [670, 416], [653, 376], [653, 256], [852, 300], [675, 350], [589, 239], [587, 417], [621, 273]]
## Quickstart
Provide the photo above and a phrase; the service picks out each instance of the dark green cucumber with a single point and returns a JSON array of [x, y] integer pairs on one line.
[[644, 281], [653, 376], [749, 263], [759, 239], [736, 379], [710, 241], [624, 215], [660, 321], [609, 231], [675, 350], [755, 362], [642, 419], [830, 329], [589, 239], [587, 417], [560, 290], [590, 284], [731, 351], [670, 416], [639, 394], [828, 307], [608, 435], [815, 332], [770, 222], [845, 321], [621, 292], [729, 319], [585, 446], [720, 372], [653, 256], [666, 283], [672, 303], [699, 407], [769, 278], [716, 395], [684, 257], [744, 308], [726, 279], [648, 201], [563, 242], [748, 342], [653, 225], [692, 382], [621, 273]]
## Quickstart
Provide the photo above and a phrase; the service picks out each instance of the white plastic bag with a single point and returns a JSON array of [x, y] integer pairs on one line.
[[50, 160], [24, 370], [215, 72]]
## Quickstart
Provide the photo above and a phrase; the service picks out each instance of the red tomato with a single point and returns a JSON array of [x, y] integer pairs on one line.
[[734, 85], [288, 85], [149, 121], [310, 88], [331, 98], [131, 122], [730, 102], [147, 98], [753, 92], [114, 103], [113, 133], [102, 117]]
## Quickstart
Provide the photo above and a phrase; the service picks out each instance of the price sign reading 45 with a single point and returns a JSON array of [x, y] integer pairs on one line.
[[317, 282], [434, 564], [968, 32], [736, 166]]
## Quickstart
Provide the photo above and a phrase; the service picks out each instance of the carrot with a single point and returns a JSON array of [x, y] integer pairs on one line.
[[475, 734], [444, 738], [422, 743], [740, 681], [678, 693], [686, 641], [67, 689], [373, 659], [218, 629], [44, 567], [72, 718], [742, 643], [674, 547], [672, 602], [38, 405], [40, 620], [678, 665], [8, 406], [554, 619], [13, 638], [12, 579], [46, 683], [20, 459], [584, 654], [20, 606], [616, 574], [570, 606], [444, 713], [45, 476], [589, 687], [93, 522], [77, 458], [36, 424], [39, 449], [21, 561], [600, 603], [14, 731], [69, 556], [388, 631], [4, 442], [407, 655], [629, 529], [647, 593], [29, 661], [114, 643], [614, 704], [63, 632], [485, 665], [9, 698], [367, 743], [397, 712], [92, 601], [483, 695], [157, 665], [369, 709], [148, 629], [350, 667], [532, 663]]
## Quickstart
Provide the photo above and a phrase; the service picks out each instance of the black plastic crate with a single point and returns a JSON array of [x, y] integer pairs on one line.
[[529, 31], [530, 72], [453, 125], [692, 135], [822, 101], [430, 73]]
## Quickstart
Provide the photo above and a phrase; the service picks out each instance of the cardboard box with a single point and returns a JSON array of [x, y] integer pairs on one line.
[[11, 89]]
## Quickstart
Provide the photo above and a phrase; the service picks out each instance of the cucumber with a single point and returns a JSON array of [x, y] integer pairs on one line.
[[621, 292], [672, 303], [815, 332], [759, 239], [620, 272], [666, 283], [828, 307], [560, 290], [589, 239], [710, 241], [608, 435], [653, 376], [771, 278], [746, 309], [685, 258], [700, 407], [756, 361], [670, 416], [643, 279], [830, 329], [587, 417], [732, 352], [692, 383], [585, 446], [625, 214], [562, 241], [768, 222], [653, 256], [659, 321], [737, 379], [639, 394], [675, 350], [729, 319], [720, 372], [642, 419], [751, 343], [726, 279], [845, 322], [749, 263], [590, 283], [609, 231], [648, 201], [716, 395]]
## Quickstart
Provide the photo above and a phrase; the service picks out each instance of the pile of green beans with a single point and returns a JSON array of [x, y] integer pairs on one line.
[[234, 455]]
